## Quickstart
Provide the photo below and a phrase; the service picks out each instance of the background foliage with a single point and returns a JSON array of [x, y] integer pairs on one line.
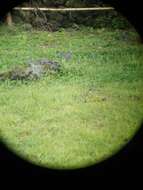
[[55, 20]]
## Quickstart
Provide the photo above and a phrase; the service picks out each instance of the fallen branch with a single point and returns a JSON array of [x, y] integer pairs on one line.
[[63, 9]]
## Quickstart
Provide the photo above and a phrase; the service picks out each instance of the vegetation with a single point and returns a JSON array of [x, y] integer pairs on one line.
[[66, 3], [81, 115], [54, 20]]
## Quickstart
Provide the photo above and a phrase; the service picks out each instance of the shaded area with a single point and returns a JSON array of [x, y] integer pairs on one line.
[[35, 71]]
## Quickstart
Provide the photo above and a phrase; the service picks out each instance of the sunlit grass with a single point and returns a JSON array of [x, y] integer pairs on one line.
[[84, 113]]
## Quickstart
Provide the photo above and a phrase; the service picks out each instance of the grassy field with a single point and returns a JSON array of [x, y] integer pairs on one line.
[[81, 115]]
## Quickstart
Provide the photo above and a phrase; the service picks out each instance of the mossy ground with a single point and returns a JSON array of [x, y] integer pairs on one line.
[[81, 115]]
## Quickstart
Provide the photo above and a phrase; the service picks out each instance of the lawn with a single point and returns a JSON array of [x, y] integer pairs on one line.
[[81, 115]]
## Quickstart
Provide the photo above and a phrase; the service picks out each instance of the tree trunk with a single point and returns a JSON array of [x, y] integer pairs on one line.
[[9, 19]]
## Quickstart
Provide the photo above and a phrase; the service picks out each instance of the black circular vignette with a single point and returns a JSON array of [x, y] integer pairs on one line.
[[127, 162]]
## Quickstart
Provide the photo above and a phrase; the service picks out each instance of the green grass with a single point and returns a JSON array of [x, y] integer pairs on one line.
[[85, 113]]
